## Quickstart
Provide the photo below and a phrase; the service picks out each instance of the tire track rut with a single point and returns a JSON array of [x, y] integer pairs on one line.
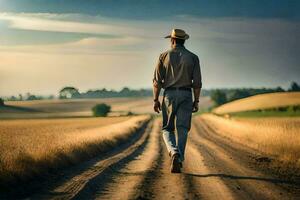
[[198, 171], [214, 168], [243, 181], [148, 175], [162, 184], [127, 181], [87, 181]]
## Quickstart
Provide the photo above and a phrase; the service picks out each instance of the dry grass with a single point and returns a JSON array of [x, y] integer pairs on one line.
[[275, 136], [31, 148], [262, 101]]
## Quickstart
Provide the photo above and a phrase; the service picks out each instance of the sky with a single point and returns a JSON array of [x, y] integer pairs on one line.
[[48, 44]]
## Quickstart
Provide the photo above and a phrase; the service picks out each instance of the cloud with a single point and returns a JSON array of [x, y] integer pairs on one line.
[[243, 52], [229, 38], [92, 45], [121, 36], [218, 29], [54, 23], [19, 21]]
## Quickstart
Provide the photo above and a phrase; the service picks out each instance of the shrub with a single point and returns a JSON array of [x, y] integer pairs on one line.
[[218, 97], [130, 113], [101, 110], [1, 102], [293, 108], [238, 94]]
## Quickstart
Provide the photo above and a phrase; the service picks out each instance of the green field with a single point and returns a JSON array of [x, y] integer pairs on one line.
[[278, 101], [266, 114]]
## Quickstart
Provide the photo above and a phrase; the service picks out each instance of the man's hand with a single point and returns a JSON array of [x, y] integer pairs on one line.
[[195, 106], [197, 92], [157, 106]]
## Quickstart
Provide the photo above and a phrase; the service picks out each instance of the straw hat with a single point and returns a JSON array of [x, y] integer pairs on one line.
[[178, 33]]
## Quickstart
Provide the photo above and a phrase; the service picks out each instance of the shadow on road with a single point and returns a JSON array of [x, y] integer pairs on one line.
[[272, 180]]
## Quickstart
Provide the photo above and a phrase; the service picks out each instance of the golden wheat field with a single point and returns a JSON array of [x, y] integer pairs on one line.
[[275, 136], [73, 107], [30, 146], [262, 101], [80, 107]]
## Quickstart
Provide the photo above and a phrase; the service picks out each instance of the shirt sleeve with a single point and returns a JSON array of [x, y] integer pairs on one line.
[[159, 74], [197, 77]]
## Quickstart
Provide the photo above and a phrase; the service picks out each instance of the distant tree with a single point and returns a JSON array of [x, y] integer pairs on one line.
[[130, 113], [1, 102], [101, 110], [68, 92], [12, 98], [238, 94], [50, 97], [279, 89], [27, 95], [31, 97], [218, 97], [125, 92], [294, 87]]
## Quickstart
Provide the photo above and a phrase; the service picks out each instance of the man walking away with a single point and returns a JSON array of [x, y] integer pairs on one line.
[[178, 73]]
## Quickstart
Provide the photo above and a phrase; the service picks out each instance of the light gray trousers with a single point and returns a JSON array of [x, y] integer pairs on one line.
[[177, 109]]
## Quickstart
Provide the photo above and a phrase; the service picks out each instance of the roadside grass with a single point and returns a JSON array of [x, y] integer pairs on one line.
[[31, 149], [277, 136]]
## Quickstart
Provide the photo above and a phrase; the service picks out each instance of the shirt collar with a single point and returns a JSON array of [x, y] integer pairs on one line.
[[179, 46]]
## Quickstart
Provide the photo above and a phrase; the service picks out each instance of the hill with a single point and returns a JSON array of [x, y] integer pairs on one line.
[[80, 107], [261, 101], [72, 107]]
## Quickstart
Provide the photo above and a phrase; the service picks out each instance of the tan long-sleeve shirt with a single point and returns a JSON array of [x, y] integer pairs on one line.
[[177, 67]]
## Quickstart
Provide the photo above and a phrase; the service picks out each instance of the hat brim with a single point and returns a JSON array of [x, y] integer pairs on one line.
[[182, 38]]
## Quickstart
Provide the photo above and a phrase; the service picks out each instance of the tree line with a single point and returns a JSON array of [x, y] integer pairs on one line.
[[219, 96], [72, 92], [27, 97], [222, 96]]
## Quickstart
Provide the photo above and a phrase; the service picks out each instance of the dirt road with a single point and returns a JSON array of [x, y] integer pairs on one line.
[[215, 168]]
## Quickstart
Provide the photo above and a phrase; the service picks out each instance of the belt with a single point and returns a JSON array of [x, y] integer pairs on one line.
[[179, 88]]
